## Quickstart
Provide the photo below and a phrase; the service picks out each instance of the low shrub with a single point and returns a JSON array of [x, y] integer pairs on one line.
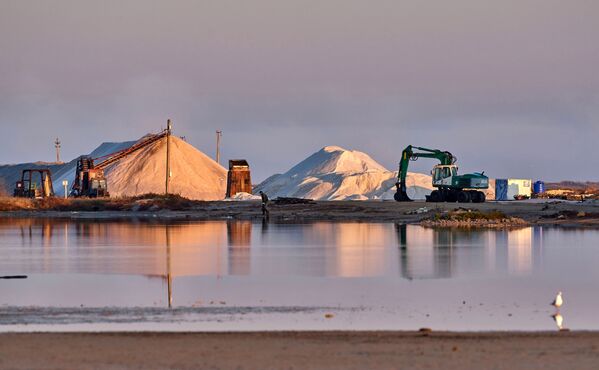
[[15, 204], [470, 215], [146, 202]]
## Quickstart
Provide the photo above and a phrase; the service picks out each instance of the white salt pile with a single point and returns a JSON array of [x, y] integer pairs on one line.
[[334, 173], [194, 175], [244, 196]]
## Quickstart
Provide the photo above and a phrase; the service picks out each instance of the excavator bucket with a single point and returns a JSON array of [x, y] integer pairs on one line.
[[401, 195]]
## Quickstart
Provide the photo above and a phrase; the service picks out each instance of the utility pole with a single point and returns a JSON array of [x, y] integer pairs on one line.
[[57, 146], [219, 134], [168, 154]]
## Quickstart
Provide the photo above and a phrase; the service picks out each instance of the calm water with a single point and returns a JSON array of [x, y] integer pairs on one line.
[[248, 276]]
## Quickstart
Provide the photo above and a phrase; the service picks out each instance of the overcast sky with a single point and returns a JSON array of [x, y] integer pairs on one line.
[[510, 87]]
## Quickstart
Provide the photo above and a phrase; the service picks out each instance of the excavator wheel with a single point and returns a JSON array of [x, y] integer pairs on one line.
[[463, 197], [435, 197], [451, 196], [477, 196]]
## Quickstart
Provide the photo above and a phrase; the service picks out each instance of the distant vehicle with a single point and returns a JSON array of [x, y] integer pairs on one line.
[[451, 187], [34, 183]]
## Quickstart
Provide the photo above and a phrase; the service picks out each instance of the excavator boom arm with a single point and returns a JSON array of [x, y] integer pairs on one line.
[[409, 154]]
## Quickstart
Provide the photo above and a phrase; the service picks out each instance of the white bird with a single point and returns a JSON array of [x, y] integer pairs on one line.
[[558, 301], [559, 319]]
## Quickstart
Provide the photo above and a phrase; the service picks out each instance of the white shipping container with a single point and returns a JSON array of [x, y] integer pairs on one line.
[[507, 189], [518, 187]]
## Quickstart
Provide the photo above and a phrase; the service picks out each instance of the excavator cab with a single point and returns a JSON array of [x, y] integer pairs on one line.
[[443, 175]]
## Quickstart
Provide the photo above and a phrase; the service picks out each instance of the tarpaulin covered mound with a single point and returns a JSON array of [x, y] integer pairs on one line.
[[9, 174], [334, 173], [194, 175]]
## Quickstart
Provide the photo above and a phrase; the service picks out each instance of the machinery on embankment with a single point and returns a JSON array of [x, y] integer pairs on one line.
[[89, 175], [451, 187], [34, 183]]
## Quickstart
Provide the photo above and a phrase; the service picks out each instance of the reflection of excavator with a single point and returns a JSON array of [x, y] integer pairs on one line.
[[451, 187], [89, 176]]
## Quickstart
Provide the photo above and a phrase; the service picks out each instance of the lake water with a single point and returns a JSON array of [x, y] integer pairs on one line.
[[229, 275]]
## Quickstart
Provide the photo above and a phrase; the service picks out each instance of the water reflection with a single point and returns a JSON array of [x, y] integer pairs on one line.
[[239, 239], [427, 253], [232, 248], [409, 270], [169, 276], [559, 320], [351, 249], [519, 251]]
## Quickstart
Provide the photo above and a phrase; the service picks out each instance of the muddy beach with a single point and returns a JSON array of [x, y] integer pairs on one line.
[[563, 213], [305, 350]]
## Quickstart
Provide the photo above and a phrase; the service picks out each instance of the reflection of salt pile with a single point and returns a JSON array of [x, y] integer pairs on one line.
[[193, 174], [334, 173]]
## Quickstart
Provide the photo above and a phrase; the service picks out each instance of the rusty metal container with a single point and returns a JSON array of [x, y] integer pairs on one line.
[[238, 177]]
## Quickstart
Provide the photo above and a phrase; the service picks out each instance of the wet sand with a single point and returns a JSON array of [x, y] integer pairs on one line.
[[534, 212], [301, 350]]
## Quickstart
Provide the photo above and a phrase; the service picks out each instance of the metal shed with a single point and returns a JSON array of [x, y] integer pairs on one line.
[[238, 177]]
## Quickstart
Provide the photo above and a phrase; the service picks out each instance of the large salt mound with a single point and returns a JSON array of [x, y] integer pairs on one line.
[[194, 175], [334, 173]]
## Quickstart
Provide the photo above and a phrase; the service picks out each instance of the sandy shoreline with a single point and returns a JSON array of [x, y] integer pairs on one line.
[[301, 350], [536, 213]]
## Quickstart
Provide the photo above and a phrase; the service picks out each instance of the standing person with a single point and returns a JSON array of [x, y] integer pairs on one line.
[[265, 212]]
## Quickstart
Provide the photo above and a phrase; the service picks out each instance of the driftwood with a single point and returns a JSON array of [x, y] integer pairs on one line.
[[286, 200]]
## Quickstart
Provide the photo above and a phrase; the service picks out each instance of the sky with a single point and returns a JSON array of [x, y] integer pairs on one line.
[[510, 87]]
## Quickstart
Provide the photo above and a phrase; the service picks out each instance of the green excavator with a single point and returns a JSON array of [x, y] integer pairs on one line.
[[451, 187]]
